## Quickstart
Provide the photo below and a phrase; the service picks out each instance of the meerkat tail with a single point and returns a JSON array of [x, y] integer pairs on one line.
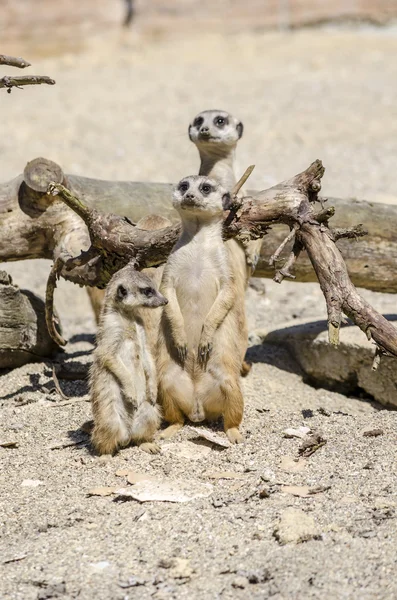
[[145, 423]]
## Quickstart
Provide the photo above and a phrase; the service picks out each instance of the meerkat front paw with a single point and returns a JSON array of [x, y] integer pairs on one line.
[[234, 436], [182, 351], [150, 448], [204, 351]]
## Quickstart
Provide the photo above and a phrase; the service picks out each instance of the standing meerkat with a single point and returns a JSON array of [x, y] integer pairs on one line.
[[123, 382], [199, 350], [215, 134]]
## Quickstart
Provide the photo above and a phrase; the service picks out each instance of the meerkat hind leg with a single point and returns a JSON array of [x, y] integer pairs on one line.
[[170, 431], [233, 412]]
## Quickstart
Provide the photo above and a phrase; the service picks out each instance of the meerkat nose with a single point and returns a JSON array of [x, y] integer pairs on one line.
[[204, 131]]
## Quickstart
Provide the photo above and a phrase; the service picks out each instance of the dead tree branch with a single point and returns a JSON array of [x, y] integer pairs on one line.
[[88, 246], [20, 81], [36, 223], [13, 61]]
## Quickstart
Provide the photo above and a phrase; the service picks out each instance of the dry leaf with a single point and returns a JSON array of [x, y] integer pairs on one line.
[[166, 491], [8, 444], [188, 450], [303, 491], [300, 432], [101, 491], [223, 442], [296, 490], [292, 465], [122, 472], [224, 475], [136, 477], [31, 483]]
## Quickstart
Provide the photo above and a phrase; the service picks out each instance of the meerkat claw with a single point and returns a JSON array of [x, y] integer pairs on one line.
[[182, 353], [204, 352]]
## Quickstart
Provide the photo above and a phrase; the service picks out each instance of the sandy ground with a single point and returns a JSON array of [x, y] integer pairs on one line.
[[120, 109]]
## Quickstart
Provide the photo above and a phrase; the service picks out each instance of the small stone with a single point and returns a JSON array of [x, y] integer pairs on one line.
[[240, 582], [373, 433], [295, 527], [264, 493]]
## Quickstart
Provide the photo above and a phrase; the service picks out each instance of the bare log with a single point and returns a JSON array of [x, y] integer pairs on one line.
[[371, 262], [23, 334]]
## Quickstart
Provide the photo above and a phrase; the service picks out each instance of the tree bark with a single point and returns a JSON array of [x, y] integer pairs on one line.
[[23, 333]]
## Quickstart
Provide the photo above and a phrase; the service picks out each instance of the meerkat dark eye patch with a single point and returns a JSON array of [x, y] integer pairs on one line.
[[198, 122], [221, 121], [149, 292], [183, 186], [240, 129], [206, 188], [121, 292], [227, 202]]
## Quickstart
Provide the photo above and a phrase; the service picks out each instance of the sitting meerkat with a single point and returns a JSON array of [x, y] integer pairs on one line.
[[123, 382], [202, 329]]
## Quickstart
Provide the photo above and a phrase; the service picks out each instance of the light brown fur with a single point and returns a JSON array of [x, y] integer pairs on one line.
[[203, 332], [123, 381]]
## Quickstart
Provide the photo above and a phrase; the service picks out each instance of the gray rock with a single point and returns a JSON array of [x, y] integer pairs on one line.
[[295, 527], [343, 369]]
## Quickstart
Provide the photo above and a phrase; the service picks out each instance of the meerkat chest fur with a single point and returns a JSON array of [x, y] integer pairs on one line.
[[199, 263]]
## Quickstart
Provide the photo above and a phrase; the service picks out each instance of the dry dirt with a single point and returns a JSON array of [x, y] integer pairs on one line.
[[120, 109]]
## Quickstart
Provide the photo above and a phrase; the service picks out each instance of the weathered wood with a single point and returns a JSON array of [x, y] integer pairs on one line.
[[371, 261], [116, 241], [23, 334], [9, 82]]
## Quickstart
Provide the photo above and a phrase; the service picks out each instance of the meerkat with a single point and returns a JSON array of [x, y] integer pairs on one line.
[[202, 331], [215, 134], [123, 383], [151, 319]]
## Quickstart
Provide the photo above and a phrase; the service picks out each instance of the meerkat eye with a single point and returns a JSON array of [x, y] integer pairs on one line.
[[206, 188], [220, 121], [198, 122], [148, 292], [183, 187], [121, 292]]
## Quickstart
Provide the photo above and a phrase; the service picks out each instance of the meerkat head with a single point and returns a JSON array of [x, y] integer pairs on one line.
[[129, 289], [215, 130], [200, 195]]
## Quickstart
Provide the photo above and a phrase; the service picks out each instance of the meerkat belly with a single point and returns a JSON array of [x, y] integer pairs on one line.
[[130, 354], [196, 290]]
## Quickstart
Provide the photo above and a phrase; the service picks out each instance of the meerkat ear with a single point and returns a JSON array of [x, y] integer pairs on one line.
[[240, 129], [227, 202]]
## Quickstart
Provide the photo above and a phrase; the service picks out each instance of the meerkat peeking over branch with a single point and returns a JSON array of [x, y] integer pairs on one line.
[[202, 335], [123, 376]]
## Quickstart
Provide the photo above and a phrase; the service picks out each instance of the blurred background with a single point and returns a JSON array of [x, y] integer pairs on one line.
[[308, 78]]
